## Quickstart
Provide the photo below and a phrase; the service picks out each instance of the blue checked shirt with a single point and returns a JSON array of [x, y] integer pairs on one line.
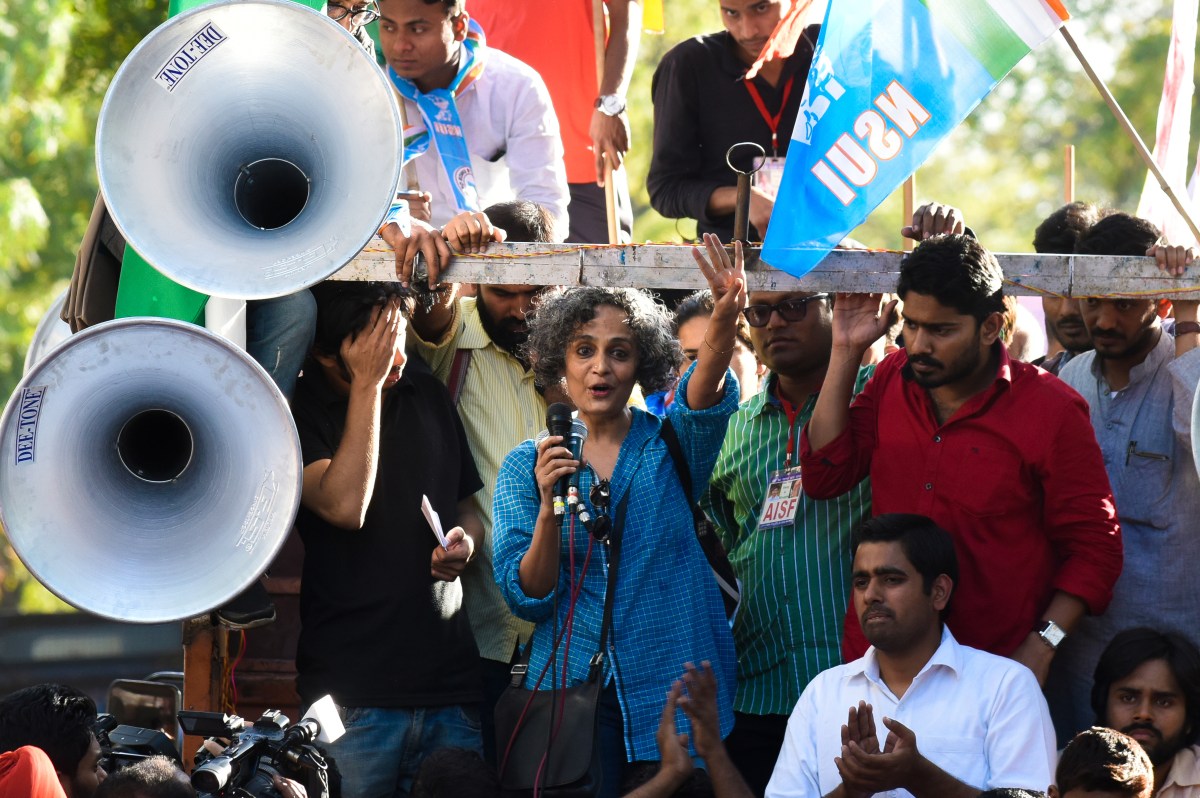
[[667, 609]]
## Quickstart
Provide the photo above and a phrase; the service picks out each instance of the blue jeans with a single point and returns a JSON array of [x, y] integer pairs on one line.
[[279, 333], [382, 748]]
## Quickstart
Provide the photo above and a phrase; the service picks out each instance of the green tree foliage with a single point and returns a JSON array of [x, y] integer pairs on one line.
[[56, 58], [1003, 167]]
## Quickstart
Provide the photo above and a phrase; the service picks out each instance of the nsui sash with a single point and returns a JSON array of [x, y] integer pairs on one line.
[[439, 112], [888, 82]]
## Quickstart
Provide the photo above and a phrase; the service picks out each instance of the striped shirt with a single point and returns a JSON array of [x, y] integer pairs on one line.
[[500, 407], [795, 579]]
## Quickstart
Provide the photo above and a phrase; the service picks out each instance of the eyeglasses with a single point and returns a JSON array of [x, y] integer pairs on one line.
[[790, 310], [364, 15], [598, 497]]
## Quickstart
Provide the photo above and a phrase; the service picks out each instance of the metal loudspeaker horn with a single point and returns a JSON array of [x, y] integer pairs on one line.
[[1196, 431], [51, 331], [149, 470], [249, 149]]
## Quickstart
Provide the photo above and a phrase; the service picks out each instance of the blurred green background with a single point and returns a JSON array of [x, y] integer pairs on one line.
[[1004, 167]]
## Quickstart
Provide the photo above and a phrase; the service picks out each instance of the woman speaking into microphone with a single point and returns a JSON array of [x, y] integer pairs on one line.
[[553, 570]]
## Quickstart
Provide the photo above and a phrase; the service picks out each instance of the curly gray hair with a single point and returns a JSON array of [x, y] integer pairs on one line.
[[562, 311]]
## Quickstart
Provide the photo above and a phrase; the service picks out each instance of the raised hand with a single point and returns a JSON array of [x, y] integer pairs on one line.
[[859, 320], [470, 232], [672, 746], [726, 278], [700, 705], [933, 219], [1173, 260], [370, 356], [421, 238]]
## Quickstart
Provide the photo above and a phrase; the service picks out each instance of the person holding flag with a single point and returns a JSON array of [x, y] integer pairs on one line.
[[711, 92]]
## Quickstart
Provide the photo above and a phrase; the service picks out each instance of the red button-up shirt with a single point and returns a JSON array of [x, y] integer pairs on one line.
[[1016, 476]]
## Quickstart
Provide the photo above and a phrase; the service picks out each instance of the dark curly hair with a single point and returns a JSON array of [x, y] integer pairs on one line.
[[1118, 234], [956, 271], [562, 311], [1059, 231], [53, 717]]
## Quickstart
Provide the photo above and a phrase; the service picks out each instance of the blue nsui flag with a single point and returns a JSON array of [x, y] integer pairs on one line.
[[889, 80]]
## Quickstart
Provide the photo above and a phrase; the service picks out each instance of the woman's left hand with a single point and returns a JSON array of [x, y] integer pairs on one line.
[[726, 279]]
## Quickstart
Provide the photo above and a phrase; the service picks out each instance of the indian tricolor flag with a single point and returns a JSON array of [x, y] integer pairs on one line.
[[889, 81]]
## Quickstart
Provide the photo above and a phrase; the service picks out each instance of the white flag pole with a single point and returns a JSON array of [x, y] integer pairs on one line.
[[1125, 124]]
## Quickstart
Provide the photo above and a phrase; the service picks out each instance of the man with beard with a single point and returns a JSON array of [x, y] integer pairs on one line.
[[1140, 384], [475, 345], [920, 714], [1056, 235], [1147, 685], [996, 451]]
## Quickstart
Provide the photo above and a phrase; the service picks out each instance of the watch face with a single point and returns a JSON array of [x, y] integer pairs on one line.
[[1053, 635], [612, 104]]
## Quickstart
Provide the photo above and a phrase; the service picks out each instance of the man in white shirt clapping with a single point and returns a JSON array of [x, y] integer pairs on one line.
[[919, 714]]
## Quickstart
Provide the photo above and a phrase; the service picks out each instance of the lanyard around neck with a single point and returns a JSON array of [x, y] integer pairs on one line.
[[772, 121]]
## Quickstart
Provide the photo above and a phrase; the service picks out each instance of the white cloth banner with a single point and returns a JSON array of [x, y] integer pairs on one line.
[[1174, 130]]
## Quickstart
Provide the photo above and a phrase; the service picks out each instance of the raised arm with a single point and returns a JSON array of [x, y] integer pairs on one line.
[[858, 321], [728, 284], [339, 489], [468, 233]]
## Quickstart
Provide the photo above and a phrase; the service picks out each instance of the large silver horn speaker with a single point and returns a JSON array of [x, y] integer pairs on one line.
[[1196, 431], [248, 149], [149, 470], [51, 331]]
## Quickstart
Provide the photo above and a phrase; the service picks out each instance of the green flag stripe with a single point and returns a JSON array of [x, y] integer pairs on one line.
[[982, 31]]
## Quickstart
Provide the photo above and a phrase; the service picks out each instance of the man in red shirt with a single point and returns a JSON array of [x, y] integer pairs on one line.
[[996, 451]]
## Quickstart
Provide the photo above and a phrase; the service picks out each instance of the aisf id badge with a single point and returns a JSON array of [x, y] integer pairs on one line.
[[783, 499]]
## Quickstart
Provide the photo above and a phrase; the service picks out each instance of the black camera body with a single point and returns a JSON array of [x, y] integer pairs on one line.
[[268, 747], [122, 746]]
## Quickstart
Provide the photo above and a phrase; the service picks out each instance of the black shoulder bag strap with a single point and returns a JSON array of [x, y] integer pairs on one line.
[[614, 559], [521, 666], [710, 544]]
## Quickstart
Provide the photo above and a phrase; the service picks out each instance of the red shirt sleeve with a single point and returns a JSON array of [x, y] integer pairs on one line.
[[1080, 513], [845, 461]]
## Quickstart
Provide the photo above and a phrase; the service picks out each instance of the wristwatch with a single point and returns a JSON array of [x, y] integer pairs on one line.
[[610, 104], [1185, 327], [1051, 633]]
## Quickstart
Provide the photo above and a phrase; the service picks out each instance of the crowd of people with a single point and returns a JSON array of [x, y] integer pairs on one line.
[[950, 562]]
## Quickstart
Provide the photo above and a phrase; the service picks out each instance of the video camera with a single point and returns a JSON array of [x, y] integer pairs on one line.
[[255, 753], [122, 746]]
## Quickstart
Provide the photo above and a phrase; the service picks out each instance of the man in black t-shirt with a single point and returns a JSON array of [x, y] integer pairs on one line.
[[703, 105], [382, 624]]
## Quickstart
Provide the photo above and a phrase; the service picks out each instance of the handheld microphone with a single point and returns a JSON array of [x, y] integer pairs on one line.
[[558, 423], [573, 432], [579, 433]]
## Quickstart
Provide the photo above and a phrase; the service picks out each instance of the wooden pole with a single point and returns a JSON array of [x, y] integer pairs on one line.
[[1069, 173], [910, 205], [1127, 126], [601, 47], [850, 271]]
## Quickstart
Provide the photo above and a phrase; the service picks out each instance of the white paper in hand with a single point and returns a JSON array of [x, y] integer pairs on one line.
[[435, 523]]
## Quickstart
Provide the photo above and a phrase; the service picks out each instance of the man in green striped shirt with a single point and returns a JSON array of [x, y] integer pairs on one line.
[[791, 553]]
